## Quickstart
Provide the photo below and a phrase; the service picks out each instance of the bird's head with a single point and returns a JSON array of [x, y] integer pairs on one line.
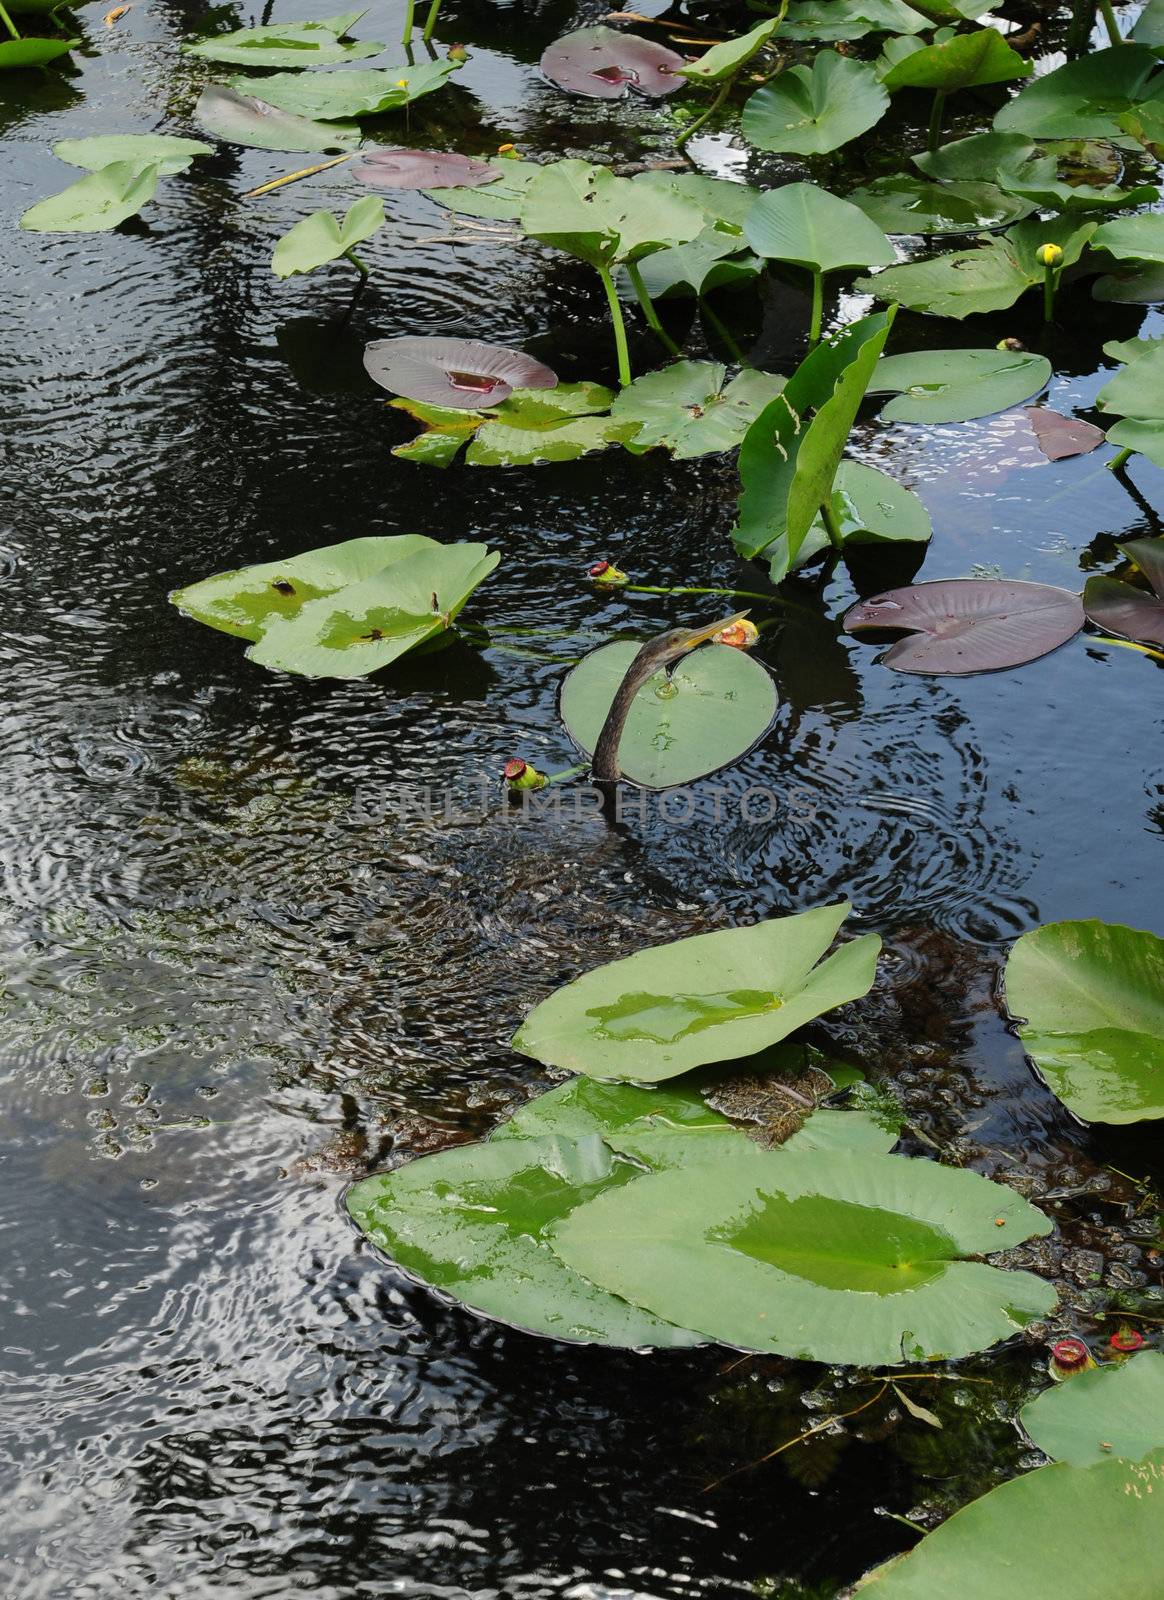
[[677, 642]]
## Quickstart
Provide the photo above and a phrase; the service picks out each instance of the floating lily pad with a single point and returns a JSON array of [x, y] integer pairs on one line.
[[1058, 1532], [500, 200], [160, 150], [1136, 393], [1060, 437], [709, 998], [325, 96], [242, 119], [458, 374], [690, 409], [995, 158], [422, 169], [1139, 238], [715, 705], [962, 62], [528, 429], [604, 63], [724, 60], [906, 205], [1091, 996], [1114, 1410], [812, 228], [863, 1259], [17, 53], [319, 238], [102, 200], [957, 626], [473, 1222], [811, 110], [956, 385], [1140, 286], [850, 19], [603, 220], [287, 44], [1088, 98], [1119, 608]]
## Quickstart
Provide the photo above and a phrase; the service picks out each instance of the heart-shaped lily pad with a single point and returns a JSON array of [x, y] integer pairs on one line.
[[712, 997], [161, 150], [961, 62], [103, 200], [288, 44], [243, 119], [1090, 996], [812, 110], [422, 169], [531, 427], [715, 705], [962, 625], [1119, 607], [17, 53], [604, 64], [904, 204], [1113, 1410], [865, 1259], [320, 238], [459, 374], [957, 385], [690, 409]]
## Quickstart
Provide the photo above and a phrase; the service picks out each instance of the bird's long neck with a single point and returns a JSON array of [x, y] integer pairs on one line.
[[604, 764]]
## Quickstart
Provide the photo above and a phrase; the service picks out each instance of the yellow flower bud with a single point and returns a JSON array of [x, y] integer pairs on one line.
[[1049, 255], [741, 635]]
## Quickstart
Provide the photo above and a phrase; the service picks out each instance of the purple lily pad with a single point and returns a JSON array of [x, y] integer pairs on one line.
[[421, 169], [462, 374], [1120, 608], [1059, 437], [603, 63], [964, 625]]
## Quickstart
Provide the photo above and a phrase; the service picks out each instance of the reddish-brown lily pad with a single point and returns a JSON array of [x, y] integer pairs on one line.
[[963, 625], [1120, 608], [461, 374], [1059, 437], [421, 169], [604, 64]]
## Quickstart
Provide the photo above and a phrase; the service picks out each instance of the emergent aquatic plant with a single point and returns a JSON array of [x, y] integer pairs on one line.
[[319, 238], [1121, 608], [812, 110], [952, 62]]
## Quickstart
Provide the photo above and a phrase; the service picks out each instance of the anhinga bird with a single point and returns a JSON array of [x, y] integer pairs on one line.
[[656, 653]]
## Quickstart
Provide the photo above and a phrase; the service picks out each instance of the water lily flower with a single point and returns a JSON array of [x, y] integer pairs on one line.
[[741, 635], [1069, 1357], [457, 52], [1010, 343], [509, 151], [519, 775], [609, 576], [1126, 1341], [1048, 255]]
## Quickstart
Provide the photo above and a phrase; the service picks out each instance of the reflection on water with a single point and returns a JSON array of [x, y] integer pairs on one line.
[[241, 961]]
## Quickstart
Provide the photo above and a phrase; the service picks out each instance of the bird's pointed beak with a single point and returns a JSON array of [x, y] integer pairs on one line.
[[699, 636]]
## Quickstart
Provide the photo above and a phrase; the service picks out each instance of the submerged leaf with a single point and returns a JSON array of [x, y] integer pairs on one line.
[[957, 385], [812, 110], [709, 998], [958, 626], [863, 1259], [687, 408], [604, 63], [1090, 996], [242, 119], [102, 200], [712, 708], [1061, 437], [460, 374]]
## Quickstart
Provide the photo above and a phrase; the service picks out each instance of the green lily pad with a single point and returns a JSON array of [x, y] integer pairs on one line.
[[963, 62], [811, 110], [723, 203], [601, 219], [532, 426], [690, 409], [287, 44], [17, 53], [344, 610], [1058, 1532], [500, 200], [853, 1258], [1137, 238], [788, 470], [956, 385], [907, 205], [243, 119], [582, 1107], [1136, 393], [1137, 286], [997, 158], [812, 228], [990, 278], [725, 60], [709, 998], [870, 507], [325, 96], [1086, 99], [473, 1222], [1114, 1410], [319, 238], [160, 150], [850, 19], [711, 260], [91, 205], [714, 706], [1091, 999]]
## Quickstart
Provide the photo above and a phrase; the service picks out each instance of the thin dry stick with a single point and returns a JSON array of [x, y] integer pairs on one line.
[[819, 1427], [293, 177]]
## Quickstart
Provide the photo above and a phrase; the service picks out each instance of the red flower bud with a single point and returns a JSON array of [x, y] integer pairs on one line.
[[1069, 1356], [518, 774], [1126, 1341], [606, 575]]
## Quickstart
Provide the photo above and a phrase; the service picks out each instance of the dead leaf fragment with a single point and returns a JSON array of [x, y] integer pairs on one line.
[[1059, 437], [111, 17]]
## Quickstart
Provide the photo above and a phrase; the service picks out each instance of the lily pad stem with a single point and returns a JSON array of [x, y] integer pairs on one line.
[[1110, 23], [8, 23], [1050, 281], [624, 371], [1118, 462], [647, 307], [832, 527], [693, 128], [361, 266], [817, 309], [430, 21], [736, 594], [934, 133], [409, 13], [724, 333]]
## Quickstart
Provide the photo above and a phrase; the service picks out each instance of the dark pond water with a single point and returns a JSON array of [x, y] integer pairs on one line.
[[238, 968]]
